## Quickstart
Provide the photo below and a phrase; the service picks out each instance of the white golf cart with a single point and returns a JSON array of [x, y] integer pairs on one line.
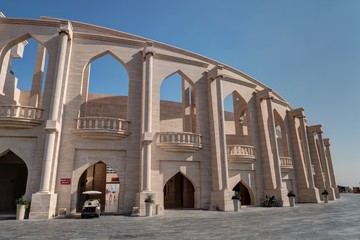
[[91, 207]]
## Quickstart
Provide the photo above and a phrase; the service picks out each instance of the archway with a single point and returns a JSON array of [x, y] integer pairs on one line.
[[179, 192], [103, 178], [13, 178], [244, 193]]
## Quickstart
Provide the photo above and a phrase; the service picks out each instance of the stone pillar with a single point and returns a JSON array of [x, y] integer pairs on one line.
[[269, 145], [43, 203], [221, 195], [331, 168], [316, 158], [307, 192], [37, 81], [147, 135]]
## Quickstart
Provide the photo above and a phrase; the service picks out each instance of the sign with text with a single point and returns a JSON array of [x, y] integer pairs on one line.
[[65, 181]]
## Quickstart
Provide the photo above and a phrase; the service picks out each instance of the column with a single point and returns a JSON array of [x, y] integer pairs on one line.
[[274, 145], [221, 194], [331, 168], [316, 156], [307, 192], [43, 203], [148, 55], [215, 78], [328, 182], [52, 124], [268, 151]]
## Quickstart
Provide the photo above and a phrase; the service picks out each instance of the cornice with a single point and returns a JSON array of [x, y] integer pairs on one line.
[[98, 37]]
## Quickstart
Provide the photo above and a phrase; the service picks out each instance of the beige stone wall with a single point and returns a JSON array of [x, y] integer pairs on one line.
[[209, 167]]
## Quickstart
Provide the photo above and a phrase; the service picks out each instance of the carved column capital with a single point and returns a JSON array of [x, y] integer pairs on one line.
[[327, 142], [315, 129], [67, 29], [149, 50], [297, 113], [265, 94]]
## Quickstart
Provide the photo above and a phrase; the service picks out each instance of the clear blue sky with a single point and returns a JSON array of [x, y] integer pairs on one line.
[[308, 51]]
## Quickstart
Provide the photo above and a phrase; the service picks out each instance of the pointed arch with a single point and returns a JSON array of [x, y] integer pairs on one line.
[[179, 192], [178, 103], [281, 135], [115, 87], [100, 177], [8, 81], [13, 181], [247, 196], [238, 126]]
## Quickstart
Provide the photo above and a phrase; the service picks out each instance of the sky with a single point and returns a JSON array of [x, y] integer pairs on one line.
[[308, 51]]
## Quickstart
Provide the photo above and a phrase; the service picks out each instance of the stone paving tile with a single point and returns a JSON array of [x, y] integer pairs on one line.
[[336, 220]]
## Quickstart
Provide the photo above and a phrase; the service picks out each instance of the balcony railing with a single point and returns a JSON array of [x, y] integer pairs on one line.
[[179, 141], [286, 163], [241, 153], [17, 116], [101, 127]]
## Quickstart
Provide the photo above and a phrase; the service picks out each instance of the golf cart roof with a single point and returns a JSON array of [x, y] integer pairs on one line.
[[92, 192]]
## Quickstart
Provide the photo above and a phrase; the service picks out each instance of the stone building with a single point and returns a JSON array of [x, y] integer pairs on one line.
[[57, 139]]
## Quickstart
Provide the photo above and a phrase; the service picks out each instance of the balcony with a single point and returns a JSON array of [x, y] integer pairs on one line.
[[179, 141], [16, 116], [286, 164], [241, 153], [101, 128]]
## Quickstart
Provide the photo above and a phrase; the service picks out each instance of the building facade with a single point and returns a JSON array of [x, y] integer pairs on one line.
[[57, 139]]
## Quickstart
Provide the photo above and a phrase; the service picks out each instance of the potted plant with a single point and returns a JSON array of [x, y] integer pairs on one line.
[[325, 195], [149, 201], [236, 201], [291, 195], [21, 205]]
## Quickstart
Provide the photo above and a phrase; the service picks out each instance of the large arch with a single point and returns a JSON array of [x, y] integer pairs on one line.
[[245, 193], [179, 104], [281, 135], [22, 92], [179, 192], [103, 178], [13, 180], [102, 104]]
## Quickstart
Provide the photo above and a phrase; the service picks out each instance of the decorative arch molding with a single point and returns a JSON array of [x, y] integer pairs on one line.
[[236, 180], [184, 174], [101, 54], [18, 152], [182, 74]]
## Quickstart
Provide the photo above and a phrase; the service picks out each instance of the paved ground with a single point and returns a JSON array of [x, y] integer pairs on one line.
[[336, 220]]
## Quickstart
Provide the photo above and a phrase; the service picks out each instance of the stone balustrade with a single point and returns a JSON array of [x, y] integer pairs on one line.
[[179, 141], [17, 116], [241, 153], [286, 163], [101, 127]]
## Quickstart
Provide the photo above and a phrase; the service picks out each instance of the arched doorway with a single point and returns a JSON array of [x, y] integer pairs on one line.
[[103, 178], [179, 192], [13, 178], [244, 193]]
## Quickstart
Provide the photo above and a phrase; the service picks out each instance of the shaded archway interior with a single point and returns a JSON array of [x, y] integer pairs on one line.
[[179, 193], [13, 178], [244, 193], [102, 178]]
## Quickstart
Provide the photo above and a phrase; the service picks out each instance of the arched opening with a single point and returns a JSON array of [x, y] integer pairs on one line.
[[244, 193], [103, 178], [281, 135], [179, 193], [13, 178], [177, 104], [237, 120], [105, 90], [23, 74]]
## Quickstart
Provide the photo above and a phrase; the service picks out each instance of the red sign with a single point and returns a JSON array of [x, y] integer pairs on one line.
[[65, 181]]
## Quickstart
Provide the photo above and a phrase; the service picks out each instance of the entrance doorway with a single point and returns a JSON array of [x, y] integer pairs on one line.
[[179, 193], [244, 193], [103, 178], [13, 178]]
